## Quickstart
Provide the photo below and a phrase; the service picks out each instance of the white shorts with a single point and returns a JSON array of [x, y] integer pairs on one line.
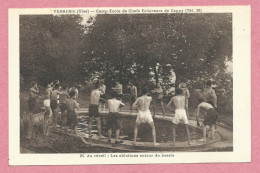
[[144, 117], [180, 117], [47, 103]]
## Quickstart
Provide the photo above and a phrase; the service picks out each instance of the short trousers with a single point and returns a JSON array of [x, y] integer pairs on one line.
[[32, 104], [113, 121], [119, 96], [144, 117], [54, 104], [180, 117], [72, 118], [63, 107], [211, 117], [93, 111], [47, 103], [102, 98], [132, 98], [159, 100]]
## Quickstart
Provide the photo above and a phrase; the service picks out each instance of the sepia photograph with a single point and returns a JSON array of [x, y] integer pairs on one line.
[[113, 83]]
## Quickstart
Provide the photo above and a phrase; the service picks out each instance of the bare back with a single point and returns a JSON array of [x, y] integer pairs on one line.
[[144, 102], [179, 102]]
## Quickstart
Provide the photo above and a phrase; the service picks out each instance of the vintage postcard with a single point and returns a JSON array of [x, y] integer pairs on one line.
[[129, 85]]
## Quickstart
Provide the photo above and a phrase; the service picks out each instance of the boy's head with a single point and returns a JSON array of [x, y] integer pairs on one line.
[[130, 83], [114, 94], [33, 84], [72, 94], [56, 86], [144, 91], [209, 83], [64, 88], [96, 85], [201, 99], [158, 85], [116, 82], [178, 91]]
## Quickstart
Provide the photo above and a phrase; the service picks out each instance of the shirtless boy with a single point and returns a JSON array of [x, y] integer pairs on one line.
[[54, 104], [47, 106], [93, 110], [113, 120], [133, 94], [210, 118], [34, 91], [158, 98], [102, 101], [63, 108], [180, 113], [119, 89], [71, 105], [144, 115]]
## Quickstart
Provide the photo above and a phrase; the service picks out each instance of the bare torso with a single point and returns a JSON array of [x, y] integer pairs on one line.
[[179, 102], [144, 102]]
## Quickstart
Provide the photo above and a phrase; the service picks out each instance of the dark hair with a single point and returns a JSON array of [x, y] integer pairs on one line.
[[64, 87], [72, 94], [144, 91], [113, 94], [209, 83], [33, 83], [96, 85], [201, 99], [178, 91], [56, 86]]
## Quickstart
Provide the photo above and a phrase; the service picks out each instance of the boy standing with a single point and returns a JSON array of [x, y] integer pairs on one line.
[[54, 104], [47, 106], [71, 105], [133, 94], [93, 110], [158, 98], [119, 89], [102, 88], [144, 115], [113, 120], [63, 107], [186, 94], [34, 91], [180, 113]]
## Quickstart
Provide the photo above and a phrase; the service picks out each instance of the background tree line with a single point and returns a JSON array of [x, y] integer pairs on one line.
[[123, 47]]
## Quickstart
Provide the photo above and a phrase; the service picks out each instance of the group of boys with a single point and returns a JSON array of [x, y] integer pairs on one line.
[[65, 99]]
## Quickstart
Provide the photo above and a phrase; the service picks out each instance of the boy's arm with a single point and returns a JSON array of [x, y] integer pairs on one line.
[[169, 105], [135, 103], [122, 104], [34, 90], [198, 114], [77, 105], [188, 93], [136, 91]]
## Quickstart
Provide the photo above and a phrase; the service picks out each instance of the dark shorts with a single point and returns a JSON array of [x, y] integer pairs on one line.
[[113, 121], [102, 98], [54, 104], [93, 111], [211, 117], [72, 118], [159, 100], [32, 104], [132, 98], [63, 107]]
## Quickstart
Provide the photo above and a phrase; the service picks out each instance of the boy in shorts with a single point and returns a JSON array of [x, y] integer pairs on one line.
[[47, 106], [180, 113], [144, 115], [210, 118], [71, 105], [54, 104], [119, 89], [113, 120], [34, 91], [102, 101], [133, 94], [93, 110], [63, 107], [158, 99]]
